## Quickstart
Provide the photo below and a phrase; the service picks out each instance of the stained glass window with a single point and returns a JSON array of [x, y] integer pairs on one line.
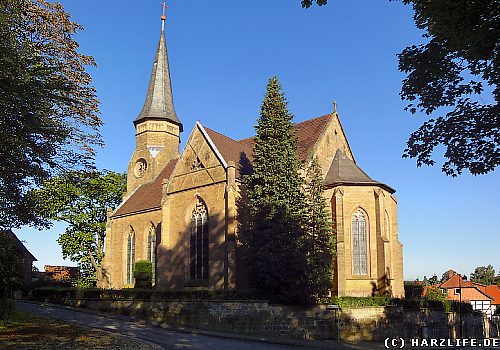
[[152, 250], [130, 256], [359, 244], [199, 242]]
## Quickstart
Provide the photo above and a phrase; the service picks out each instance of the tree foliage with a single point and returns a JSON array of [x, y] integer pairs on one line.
[[433, 293], [446, 276], [275, 202], [289, 235], [454, 78], [11, 264], [48, 107], [484, 275], [308, 3], [143, 274], [457, 72], [319, 240], [81, 199]]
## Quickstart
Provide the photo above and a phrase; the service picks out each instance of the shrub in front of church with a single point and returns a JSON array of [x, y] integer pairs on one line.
[[143, 272]]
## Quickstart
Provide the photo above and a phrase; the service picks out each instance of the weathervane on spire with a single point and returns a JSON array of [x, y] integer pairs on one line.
[[163, 17]]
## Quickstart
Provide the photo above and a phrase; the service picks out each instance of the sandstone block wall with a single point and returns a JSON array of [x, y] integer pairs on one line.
[[262, 319]]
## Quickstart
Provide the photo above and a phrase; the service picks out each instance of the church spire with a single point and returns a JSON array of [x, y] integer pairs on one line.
[[159, 102]]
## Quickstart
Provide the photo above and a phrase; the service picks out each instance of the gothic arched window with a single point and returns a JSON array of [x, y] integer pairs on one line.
[[198, 242], [359, 244], [130, 256], [152, 250]]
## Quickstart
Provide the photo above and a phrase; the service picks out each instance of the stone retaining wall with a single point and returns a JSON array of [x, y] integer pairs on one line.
[[262, 319], [379, 323], [255, 318]]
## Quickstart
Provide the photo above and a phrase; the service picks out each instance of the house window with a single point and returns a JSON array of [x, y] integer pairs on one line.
[[359, 244], [152, 250], [130, 256], [456, 290], [199, 242]]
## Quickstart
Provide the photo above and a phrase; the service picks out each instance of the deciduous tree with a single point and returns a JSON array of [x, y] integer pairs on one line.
[[11, 266], [484, 275], [454, 78], [48, 107], [81, 199]]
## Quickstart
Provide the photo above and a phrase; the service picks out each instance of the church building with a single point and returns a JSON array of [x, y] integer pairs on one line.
[[180, 208]]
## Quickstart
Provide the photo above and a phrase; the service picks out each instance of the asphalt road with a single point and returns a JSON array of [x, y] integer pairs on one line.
[[165, 338]]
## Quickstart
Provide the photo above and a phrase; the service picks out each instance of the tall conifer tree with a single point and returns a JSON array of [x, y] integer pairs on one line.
[[276, 203], [319, 241], [289, 233]]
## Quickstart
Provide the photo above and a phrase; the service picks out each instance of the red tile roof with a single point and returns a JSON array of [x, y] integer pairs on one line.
[[231, 150], [308, 133], [147, 196], [468, 294], [456, 282], [494, 292]]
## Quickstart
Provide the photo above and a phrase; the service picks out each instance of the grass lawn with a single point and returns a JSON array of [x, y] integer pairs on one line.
[[23, 331]]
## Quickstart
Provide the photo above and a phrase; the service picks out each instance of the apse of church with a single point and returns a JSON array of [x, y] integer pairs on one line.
[[180, 209]]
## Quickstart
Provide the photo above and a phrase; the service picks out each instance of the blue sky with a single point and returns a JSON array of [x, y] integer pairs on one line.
[[221, 55]]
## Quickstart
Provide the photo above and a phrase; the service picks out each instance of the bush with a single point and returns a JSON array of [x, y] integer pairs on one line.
[[54, 294], [7, 308], [361, 301], [143, 272], [407, 304], [60, 295]]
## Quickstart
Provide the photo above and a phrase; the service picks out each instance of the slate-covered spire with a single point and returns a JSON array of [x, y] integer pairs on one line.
[[159, 102]]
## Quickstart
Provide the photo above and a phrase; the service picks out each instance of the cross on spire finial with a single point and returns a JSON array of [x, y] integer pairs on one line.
[[163, 17]]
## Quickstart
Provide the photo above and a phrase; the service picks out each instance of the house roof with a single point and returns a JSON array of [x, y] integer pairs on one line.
[[471, 290], [148, 196], [343, 170], [472, 293], [20, 244], [455, 282], [494, 292]]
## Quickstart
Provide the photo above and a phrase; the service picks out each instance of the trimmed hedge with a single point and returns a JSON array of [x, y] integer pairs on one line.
[[361, 301], [62, 294], [407, 304]]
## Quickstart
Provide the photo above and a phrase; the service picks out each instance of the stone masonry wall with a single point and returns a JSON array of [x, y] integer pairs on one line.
[[379, 323], [262, 319], [255, 318]]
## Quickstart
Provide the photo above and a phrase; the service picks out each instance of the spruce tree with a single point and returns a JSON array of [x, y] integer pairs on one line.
[[319, 241], [276, 204]]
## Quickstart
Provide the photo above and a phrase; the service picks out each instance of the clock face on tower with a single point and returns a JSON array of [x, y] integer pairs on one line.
[[140, 168]]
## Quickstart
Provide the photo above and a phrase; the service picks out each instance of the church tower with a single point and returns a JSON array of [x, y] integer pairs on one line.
[[157, 128]]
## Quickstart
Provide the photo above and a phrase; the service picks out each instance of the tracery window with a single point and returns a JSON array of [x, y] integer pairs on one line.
[[199, 242], [130, 256], [359, 244], [151, 253]]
